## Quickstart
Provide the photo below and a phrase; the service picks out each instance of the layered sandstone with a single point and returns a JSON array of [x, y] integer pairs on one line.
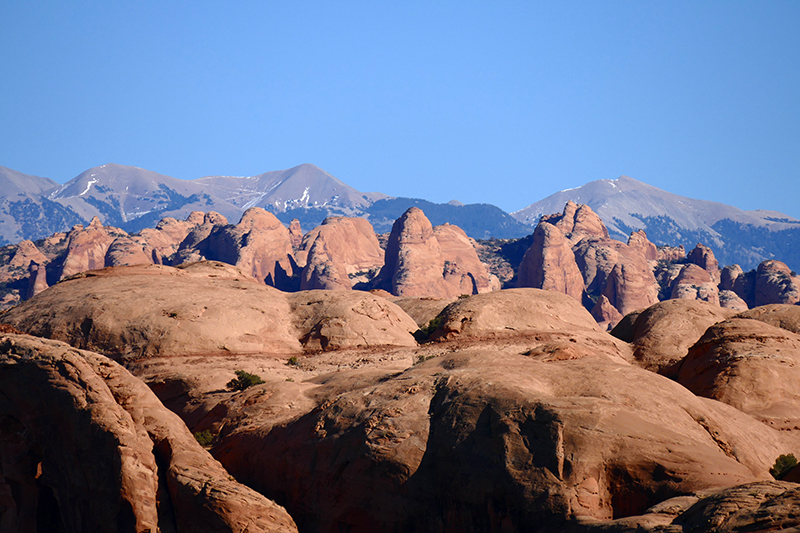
[[549, 263], [87, 247], [775, 283]]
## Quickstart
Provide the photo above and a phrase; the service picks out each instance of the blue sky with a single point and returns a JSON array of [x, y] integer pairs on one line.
[[498, 102]]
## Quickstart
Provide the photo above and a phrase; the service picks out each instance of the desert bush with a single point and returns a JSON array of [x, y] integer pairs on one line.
[[244, 380], [204, 438], [293, 361], [424, 333], [782, 465]]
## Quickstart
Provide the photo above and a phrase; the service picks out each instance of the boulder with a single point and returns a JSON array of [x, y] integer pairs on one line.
[[549, 263], [662, 334], [750, 365], [88, 447], [776, 284]]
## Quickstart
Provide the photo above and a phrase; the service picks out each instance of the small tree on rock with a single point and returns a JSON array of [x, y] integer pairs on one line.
[[244, 380]]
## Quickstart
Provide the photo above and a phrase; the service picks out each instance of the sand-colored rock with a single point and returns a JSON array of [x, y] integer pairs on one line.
[[695, 283], [549, 263], [671, 253], [577, 221], [703, 256], [779, 315], [731, 300], [195, 246], [88, 447], [631, 286], [750, 365], [732, 278], [25, 254], [38, 279], [138, 311], [338, 251], [457, 250], [476, 440], [662, 334], [168, 235], [775, 284], [335, 320], [128, 250], [422, 310], [415, 265], [87, 247], [295, 234], [605, 314], [259, 244], [639, 241]]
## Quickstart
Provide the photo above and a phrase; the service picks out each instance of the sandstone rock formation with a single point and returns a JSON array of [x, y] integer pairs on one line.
[[423, 310], [38, 279], [702, 256], [776, 284], [335, 320], [128, 250], [695, 283], [671, 253], [340, 250], [577, 221], [458, 250], [165, 239], [605, 314], [295, 234], [415, 264], [779, 315], [259, 245], [87, 247], [25, 254], [638, 240], [662, 334], [85, 446], [476, 440], [195, 246], [750, 365], [731, 300], [549, 263], [204, 308]]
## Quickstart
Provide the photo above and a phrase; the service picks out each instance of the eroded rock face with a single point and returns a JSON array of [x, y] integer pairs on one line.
[[605, 314], [38, 280], [340, 250], [578, 221], [195, 247], [750, 365], [702, 256], [779, 315], [168, 235], [295, 234], [87, 247], [25, 254], [85, 446], [695, 283], [662, 334], [259, 244], [549, 263], [477, 440], [416, 265], [127, 250], [732, 278], [335, 320], [205, 308], [671, 253], [731, 300], [639, 241], [775, 284]]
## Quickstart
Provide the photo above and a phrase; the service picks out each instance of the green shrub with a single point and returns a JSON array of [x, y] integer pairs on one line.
[[424, 333], [782, 465], [293, 361], [244, 380], [204, 438]]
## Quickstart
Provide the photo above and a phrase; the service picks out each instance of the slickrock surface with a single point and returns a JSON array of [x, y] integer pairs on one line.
[[423, 310], [779, 315], [549, 263], [334, 320], [750, 365], [88, 447], [484, 439], [126, 250], [205, 308], [662, 334]]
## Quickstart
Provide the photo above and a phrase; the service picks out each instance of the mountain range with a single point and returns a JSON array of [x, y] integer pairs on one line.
[[132, 198]]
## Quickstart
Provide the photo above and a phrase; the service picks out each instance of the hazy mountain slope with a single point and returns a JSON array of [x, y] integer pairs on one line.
[[626, 204], [134, 198], [25, 210], [303, 186]]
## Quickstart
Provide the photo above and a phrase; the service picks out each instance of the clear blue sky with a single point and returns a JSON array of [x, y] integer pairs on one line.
[[499, 102]]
